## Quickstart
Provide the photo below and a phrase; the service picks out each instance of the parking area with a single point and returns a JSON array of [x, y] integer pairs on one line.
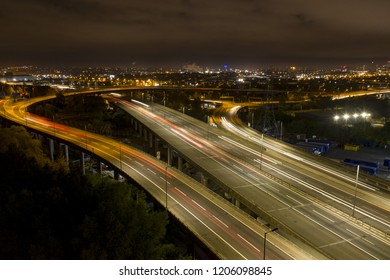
[[364, 153]]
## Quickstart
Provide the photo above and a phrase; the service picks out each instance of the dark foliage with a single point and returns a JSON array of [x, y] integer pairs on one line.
[[46, 212]]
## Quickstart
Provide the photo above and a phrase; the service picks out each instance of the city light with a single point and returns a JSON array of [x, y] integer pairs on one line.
[[356, 116]]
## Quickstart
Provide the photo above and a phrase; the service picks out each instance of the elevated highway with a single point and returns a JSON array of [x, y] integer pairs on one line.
[[236, 165], [226, 230]]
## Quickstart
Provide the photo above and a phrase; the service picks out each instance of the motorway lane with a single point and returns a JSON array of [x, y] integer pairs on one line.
[[312, 177], [371, 206], [362, 252], [216, 226]]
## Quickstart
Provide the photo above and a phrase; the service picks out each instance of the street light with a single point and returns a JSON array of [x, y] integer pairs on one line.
[[356, 184], [346, 117], [265, 240]]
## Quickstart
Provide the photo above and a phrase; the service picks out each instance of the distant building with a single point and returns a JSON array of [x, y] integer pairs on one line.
[[10, 77]]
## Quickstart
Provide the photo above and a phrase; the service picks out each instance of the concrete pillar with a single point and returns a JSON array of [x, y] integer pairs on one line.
[[66, 152], [203, 180], [150, 140], [83, 162], [135, 125], [156, 144], [99, 167], [145, 134], [169, 156], [180, 163], [236, 202], [51, 147]]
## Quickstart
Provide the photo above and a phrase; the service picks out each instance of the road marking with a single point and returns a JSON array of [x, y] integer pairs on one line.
[[248, 242], [180, 191], [192, 214], [368, 241], [322, 215], [139, 163], [165, 180], [198, 204], [253, 177], [335, 233], [239, 168], [152, 171], [354, 233], [220, 221], [294, 199]]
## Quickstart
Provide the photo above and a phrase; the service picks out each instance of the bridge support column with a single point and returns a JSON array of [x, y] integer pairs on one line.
[[83, 162], [236, 202], [180, 163], [99, 167], [66, 152], [51, 147], [156, 144], [169, 156], [145, 134], [39, 137], [135, 125], [116, 175], [203, 180], [150, 140]]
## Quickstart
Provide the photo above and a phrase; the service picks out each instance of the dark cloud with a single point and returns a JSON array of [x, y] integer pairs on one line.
[[304, 20], [245, 32]]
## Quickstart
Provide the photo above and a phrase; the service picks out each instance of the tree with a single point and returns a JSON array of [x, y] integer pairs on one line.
[[8, 89], [48, 212]]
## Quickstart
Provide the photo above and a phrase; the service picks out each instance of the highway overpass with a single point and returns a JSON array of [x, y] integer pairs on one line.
[[227, 231], [236, 167], [332, 232]]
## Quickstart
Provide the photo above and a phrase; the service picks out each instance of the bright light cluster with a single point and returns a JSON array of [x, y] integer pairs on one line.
[[347, 116]]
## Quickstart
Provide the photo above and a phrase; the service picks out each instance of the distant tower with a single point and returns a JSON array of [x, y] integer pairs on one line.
[[267, 123]]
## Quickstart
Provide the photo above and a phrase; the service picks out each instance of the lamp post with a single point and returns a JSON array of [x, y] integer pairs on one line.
[[346, 117], [356, 184], [265, 239]]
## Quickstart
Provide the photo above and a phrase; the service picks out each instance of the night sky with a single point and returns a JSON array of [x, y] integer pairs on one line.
[[170, 33]]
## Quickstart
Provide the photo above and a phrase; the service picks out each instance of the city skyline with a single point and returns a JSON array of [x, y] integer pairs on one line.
[[240, 34]]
